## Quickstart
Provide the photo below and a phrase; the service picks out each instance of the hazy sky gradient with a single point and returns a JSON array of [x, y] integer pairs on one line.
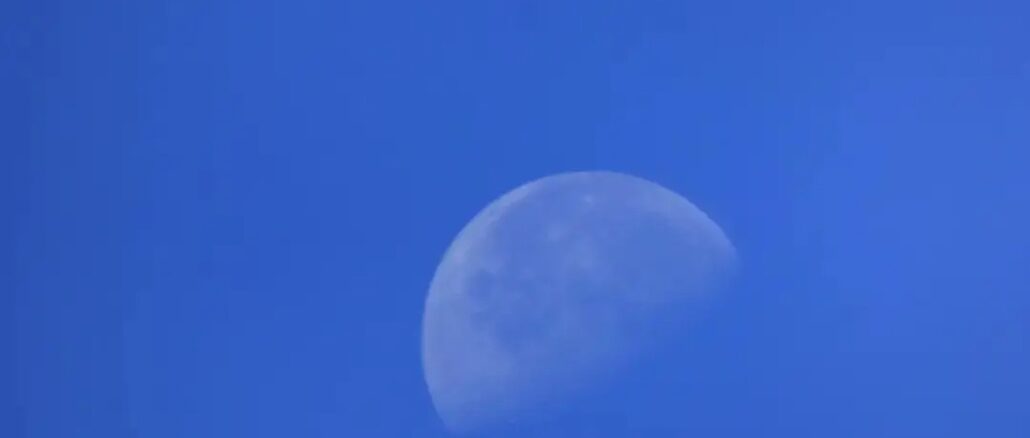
[[222, 217]]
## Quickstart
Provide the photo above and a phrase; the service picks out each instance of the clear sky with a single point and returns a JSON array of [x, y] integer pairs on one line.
[[220, 218]]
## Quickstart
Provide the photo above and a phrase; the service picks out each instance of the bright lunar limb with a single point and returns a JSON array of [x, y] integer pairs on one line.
[[556, 284]]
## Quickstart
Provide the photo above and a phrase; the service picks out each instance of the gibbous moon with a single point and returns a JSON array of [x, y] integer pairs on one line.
[[554, 286]]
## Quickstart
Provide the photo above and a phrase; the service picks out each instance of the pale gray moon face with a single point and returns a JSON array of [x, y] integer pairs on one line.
[[557, 284]]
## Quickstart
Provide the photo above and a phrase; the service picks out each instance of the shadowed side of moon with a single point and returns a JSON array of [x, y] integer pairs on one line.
[[555, 285]]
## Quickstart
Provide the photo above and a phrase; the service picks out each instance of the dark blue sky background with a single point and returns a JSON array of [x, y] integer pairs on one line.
[[221, 217]]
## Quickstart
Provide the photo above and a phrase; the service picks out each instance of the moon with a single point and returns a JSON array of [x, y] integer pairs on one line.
[[555, 286]]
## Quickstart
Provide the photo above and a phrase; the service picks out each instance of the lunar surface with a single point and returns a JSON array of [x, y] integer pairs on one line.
[[556, 285]]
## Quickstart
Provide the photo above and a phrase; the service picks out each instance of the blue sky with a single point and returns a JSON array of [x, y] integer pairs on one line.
[[222, 216]]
